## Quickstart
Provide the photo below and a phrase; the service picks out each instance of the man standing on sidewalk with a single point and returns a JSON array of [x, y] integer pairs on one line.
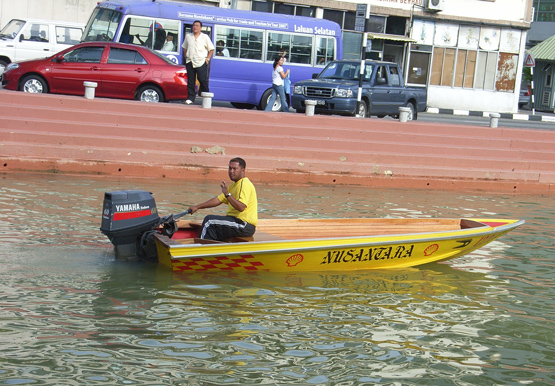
[[197, 51]]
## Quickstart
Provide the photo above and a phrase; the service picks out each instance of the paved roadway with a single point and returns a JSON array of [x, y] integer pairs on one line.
[[464, 119], [482, 121]]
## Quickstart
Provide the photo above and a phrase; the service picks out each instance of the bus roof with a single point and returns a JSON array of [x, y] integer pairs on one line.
[[165, 9]]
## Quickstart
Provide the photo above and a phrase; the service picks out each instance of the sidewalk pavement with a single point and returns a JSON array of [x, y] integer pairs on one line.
[[522, 115]]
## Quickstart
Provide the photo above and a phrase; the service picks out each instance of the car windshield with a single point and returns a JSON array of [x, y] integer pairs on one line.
[[11, 29], [345, 70]]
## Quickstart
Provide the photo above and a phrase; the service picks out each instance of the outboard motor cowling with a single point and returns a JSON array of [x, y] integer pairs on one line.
[[126, 215]]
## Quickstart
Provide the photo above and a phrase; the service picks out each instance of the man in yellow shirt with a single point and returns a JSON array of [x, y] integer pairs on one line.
[[242, 210]]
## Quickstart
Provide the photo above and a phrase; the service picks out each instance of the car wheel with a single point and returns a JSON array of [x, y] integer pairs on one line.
[[33, 84], [362, 109], [266, 97], [3, 66], [412, 114], [243, 106], [150, 94]]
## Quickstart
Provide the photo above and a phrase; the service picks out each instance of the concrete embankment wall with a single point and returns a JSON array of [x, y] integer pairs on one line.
[[67, 134]]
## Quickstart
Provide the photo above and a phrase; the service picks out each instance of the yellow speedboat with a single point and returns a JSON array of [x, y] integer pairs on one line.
[[301, 245]]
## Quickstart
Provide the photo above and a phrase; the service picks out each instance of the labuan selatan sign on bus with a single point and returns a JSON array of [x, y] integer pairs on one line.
[[256, 23]]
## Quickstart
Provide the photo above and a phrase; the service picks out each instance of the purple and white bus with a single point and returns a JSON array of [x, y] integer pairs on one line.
[[240, 70]]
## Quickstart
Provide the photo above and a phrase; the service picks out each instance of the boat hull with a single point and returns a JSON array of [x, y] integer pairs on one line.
[[331, 254]]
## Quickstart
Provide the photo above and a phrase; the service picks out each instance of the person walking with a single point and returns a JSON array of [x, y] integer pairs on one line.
[[197, 51], [287, 80], [278, 76], [242, 207]]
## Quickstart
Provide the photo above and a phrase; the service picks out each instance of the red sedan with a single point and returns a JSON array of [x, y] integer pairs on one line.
[[120, 70]]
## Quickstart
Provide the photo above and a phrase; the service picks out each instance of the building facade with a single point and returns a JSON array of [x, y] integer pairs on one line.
[[469, 53]]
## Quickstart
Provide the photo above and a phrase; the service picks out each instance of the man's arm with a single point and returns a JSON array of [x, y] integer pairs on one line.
[[208, 204], [236, 203]]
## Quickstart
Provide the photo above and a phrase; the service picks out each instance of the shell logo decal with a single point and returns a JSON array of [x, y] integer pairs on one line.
[[431, 249], [294, 260]]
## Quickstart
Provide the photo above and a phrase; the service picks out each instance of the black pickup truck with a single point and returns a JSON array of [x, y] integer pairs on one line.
[[335, 90]]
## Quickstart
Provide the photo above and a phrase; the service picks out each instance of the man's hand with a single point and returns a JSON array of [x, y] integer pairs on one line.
[[224, 188]]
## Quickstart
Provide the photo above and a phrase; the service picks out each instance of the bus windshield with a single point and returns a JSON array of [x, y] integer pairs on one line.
[[102, 25]]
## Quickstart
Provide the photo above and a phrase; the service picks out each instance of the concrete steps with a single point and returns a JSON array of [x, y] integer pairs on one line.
[[108, 136]]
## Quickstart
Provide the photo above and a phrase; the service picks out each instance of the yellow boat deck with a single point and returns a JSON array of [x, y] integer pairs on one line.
[[299, 229]]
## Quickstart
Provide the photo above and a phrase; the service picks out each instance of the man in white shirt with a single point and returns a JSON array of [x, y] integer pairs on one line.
[[197, 51], [169, 45], [221, 50]]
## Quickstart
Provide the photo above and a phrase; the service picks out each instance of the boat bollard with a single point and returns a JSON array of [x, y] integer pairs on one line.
[[494, 120], [207, 100], [404, 114], [310, 106], [89, 89]]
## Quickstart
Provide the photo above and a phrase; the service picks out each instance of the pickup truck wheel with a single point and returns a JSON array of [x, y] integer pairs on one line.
[[362, 109], [412, 115], [33, 84]]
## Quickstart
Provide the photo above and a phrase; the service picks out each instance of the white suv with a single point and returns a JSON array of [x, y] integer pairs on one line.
[[25, 39]]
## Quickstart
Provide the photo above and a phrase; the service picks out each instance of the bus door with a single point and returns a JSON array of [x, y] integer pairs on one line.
[[206, 29], [188, 28]]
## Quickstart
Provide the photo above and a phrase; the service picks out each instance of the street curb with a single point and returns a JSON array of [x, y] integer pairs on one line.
[[486, 114]]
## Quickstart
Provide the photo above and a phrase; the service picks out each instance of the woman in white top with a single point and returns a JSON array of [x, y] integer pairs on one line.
[[278, 75]]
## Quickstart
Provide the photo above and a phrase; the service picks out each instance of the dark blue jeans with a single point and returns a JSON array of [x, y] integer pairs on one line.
[[277, 90]]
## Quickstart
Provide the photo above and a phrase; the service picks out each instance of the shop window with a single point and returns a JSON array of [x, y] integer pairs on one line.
[[465, 67], [349, 21], [284, 9], [345, 19], [486, 68], [336, 16], [418, 67], [443, 66], [396, 25], [457, 68], [376, 24], [305, 11], [261, 6]]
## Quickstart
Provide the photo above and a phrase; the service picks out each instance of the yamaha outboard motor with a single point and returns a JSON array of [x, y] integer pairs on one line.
[[126, 215]]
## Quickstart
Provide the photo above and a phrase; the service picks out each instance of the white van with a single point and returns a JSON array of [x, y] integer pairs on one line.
[[25, 39]]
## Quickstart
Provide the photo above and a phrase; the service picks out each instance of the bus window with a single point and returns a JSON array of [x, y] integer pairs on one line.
[[230, 37], [324, 51], [146, 32], [301, 49], [251, 44], [276, 42]]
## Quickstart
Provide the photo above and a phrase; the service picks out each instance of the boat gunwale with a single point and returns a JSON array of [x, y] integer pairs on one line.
[[403, 237]]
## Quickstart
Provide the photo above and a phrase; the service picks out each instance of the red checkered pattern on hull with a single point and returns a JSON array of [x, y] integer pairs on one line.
[[220, 263]]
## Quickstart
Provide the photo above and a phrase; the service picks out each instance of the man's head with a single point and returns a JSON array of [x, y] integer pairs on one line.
[[236, 169], [169, 38], [197, 25]]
